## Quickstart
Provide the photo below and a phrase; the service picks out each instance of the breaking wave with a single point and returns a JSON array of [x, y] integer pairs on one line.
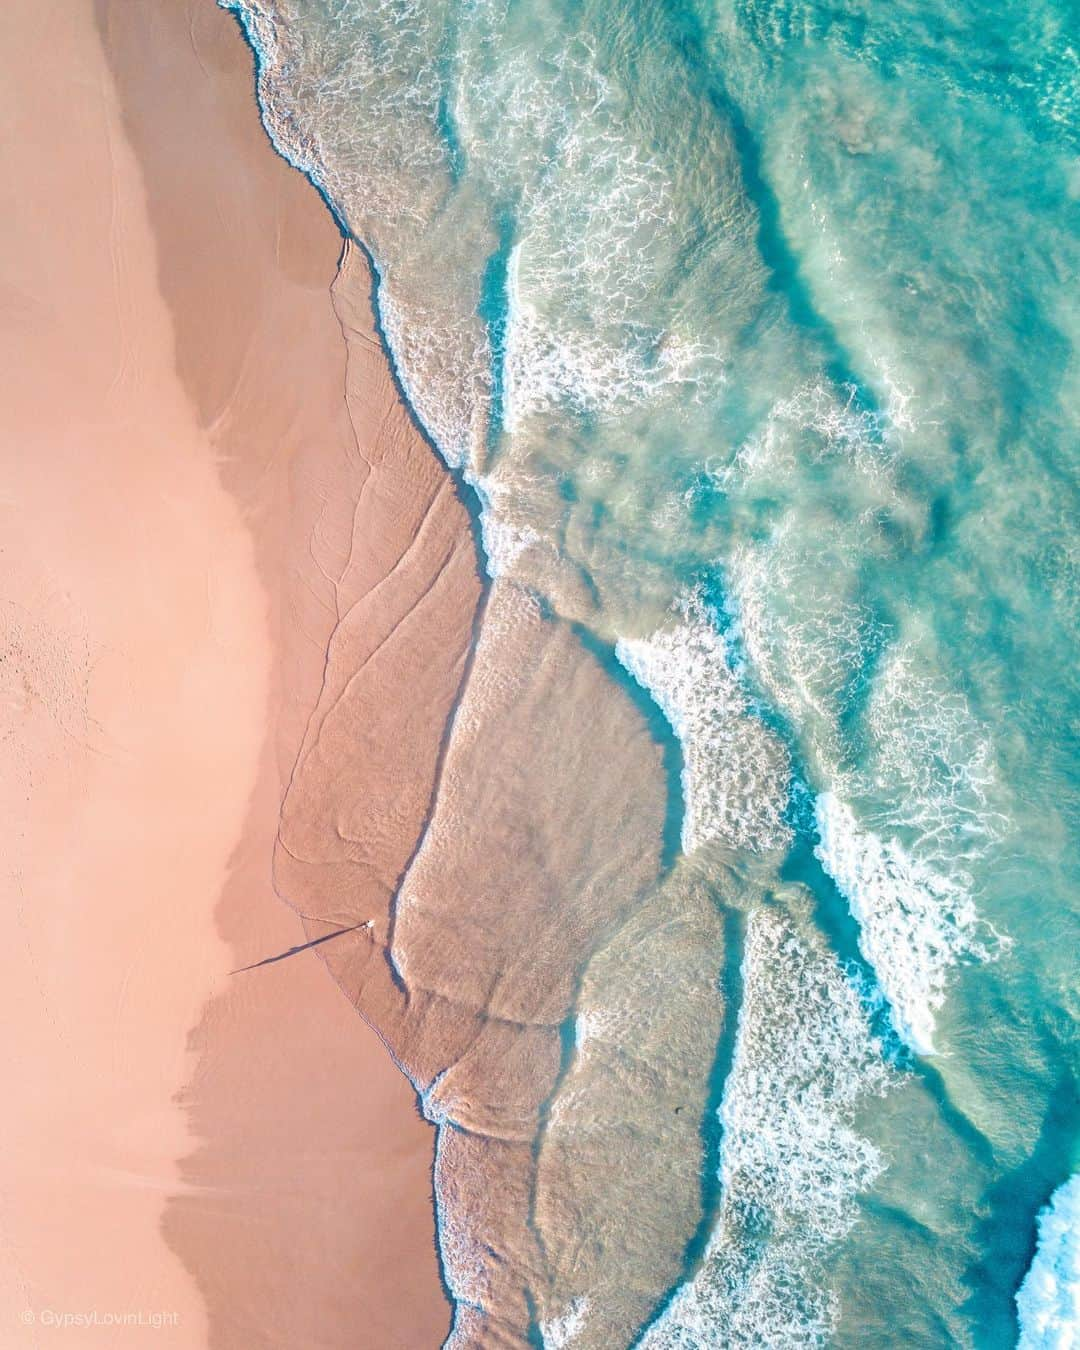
[[791, 1160], [734, 770], [914, 922], [1048, 1301]]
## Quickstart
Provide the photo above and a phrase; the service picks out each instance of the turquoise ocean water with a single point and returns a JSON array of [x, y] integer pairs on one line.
[[752, 327]]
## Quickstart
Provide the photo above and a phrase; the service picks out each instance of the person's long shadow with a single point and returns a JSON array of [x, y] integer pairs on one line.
[[300, 947]]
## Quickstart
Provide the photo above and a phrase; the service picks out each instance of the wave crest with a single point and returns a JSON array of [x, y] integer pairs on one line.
[[791, 1161], [1048, 1301], [734, 770]]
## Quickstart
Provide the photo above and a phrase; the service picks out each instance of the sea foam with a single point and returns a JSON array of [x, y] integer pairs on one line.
[[734, 770], [906, 811], [1048, 1301], [563, 1330], [914, 922], [791, 1161], [928, 780], [593, 239]]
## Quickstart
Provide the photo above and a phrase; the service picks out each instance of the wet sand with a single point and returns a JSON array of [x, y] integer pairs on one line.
[[194, 517]]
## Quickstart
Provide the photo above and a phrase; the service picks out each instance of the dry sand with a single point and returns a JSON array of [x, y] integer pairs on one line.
[[190, 516]]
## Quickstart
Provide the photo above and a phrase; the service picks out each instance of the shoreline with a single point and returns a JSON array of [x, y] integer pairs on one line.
[[388, 1255], [300, 1206]]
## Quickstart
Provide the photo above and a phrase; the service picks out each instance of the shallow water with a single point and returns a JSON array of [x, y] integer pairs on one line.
[[752, 328]]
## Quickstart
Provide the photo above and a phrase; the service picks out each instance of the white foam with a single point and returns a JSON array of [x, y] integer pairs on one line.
[[899, 398], [928, 779], [441, 355], [460, 1245], [1048, 1301], [503, 540], [595, 1024], [595, 224], [734, 770], [795, 612], [791, 1161], [906, 813], [360, 116], [820, 423], [936, 760], [311, 83], [915, 922], [564, 1330]]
